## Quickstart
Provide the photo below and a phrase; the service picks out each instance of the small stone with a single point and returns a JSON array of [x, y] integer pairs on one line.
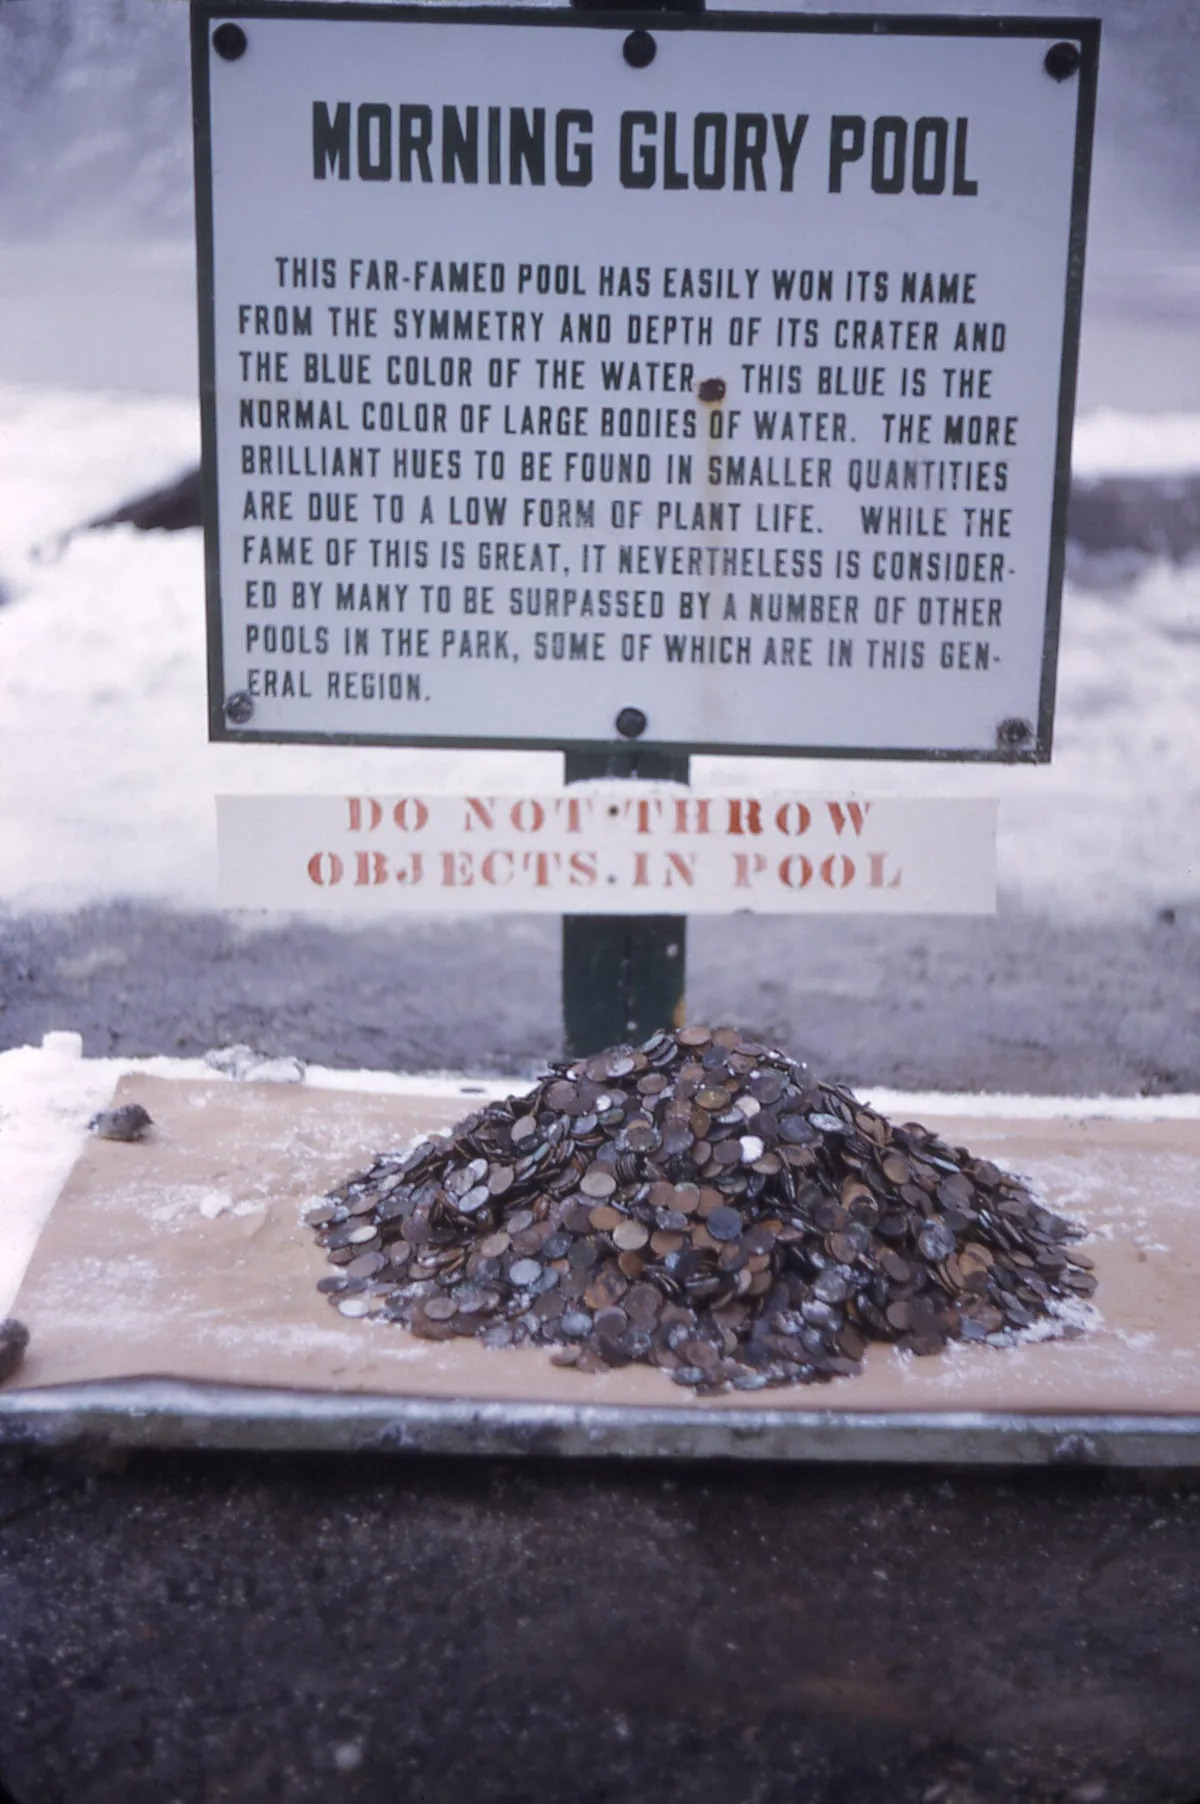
[[14, 1338], [126, 1123]]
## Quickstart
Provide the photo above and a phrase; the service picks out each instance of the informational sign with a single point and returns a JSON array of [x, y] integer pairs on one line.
[[708, 384], [615, 849]]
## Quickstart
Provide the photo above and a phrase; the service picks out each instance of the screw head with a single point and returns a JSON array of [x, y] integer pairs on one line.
[[711, 389], [640, 49], [239, 708], [631, 723], [1062, 60], [1011, 735], [230, 41]]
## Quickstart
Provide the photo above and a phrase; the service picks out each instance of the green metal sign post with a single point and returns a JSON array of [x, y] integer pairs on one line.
[[622, 975]]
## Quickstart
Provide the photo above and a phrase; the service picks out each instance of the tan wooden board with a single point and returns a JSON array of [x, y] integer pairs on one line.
[[184, 1257]]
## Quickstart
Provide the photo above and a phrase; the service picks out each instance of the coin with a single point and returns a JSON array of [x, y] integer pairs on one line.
[[701, 1203], [365, 1266], [608, 1286], [935, 1241]]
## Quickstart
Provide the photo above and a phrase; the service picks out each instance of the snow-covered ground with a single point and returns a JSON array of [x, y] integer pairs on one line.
[[107, 781]]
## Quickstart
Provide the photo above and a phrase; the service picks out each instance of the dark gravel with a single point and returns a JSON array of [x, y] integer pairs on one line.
[[1011, 1003], [280, 1630]]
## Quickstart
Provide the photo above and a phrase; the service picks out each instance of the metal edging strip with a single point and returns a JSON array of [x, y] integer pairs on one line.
[[169, 1414]]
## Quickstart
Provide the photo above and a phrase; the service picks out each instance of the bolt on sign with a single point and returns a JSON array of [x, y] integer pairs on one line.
[[609, 849], [715, 377]]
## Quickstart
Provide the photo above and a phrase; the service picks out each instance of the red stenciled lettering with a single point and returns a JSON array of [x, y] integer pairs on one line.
[[370, 868], [878, 879], [325, 869], [793, 818], [744, 817], [410, 814], [747, 866], [856, 812], [843, 866]]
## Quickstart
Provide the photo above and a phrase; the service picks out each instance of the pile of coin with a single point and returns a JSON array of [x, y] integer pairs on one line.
[[701, 1203]]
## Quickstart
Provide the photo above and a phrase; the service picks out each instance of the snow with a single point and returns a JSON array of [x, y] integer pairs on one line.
[[1110, 443], [107, 782]]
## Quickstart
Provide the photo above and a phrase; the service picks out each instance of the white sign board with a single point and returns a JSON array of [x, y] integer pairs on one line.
[[730, 389], [615, 848]]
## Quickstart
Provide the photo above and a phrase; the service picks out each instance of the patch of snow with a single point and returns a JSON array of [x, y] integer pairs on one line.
[[1110, 443], [244, 1063]]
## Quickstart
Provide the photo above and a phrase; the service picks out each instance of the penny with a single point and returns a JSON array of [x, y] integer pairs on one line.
[[605, 1219], [845, 1248], [607, 1287], [642, 1304], [471, 1301], [365, 1266], [598, 1181], [796, 1129], [725, 1224], [935, 1241], [630, 1235], [525, 1271], [973, 1258]]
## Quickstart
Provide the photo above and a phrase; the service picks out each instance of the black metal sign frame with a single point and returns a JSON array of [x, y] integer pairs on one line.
[[1027, 742]]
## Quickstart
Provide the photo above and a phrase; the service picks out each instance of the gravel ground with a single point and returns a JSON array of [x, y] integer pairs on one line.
[[1013, 1003], [240, 1630]]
